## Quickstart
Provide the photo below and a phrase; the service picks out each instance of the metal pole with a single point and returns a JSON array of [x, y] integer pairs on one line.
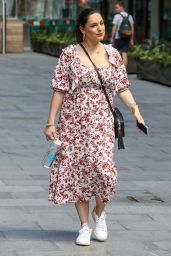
[[16, 8], [3, 27], [45, 8]]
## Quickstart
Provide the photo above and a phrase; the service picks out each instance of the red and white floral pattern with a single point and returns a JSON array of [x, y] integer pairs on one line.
[[85, 165]]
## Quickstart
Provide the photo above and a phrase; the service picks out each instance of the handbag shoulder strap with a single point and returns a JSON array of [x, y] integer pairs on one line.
[[100, 79]]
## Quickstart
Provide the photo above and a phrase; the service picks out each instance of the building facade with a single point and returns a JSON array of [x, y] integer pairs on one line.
[[152, 17]]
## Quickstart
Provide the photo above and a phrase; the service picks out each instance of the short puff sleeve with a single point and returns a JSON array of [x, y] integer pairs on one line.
[[121, 78], [61, 81]]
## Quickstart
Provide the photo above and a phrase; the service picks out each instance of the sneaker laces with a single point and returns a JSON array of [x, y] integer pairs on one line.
[[85, 230], [101, 222]]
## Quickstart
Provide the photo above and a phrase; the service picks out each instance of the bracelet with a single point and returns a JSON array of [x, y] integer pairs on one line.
[[49, 125], [132, 107]]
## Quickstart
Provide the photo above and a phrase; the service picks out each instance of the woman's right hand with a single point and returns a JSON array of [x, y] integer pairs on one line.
[[50, 132]]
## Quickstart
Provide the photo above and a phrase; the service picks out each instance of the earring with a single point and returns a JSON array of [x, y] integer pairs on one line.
[[83, 36]]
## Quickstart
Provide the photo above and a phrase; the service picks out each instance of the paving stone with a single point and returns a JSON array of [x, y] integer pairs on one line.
[[31, 246], [30, 182], [21, 189], [40, 177], [164, 245], [5, 195], [146, 225], [18, 176], [29, 195], [138, 208], [17, 226], [23, 202]]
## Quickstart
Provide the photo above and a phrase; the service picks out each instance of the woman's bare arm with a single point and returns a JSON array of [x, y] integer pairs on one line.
[[127, 98], [56, 102]]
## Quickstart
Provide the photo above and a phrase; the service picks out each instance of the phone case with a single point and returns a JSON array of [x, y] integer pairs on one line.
[[142, 127]]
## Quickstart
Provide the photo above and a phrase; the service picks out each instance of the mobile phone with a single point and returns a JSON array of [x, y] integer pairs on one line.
[[142, 127]]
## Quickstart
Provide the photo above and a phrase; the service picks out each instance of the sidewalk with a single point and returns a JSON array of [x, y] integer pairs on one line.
[[139, 216]]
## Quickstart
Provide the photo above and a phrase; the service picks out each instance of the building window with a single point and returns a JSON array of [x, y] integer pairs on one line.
[[166, 20], [56, 9], [141, 12], [9, 7]]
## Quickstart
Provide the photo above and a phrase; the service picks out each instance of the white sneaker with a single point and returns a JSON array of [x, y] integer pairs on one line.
[[84, 235], [100, 230]]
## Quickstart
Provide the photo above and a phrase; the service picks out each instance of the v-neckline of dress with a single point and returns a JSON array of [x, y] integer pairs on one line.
[[77, 57]]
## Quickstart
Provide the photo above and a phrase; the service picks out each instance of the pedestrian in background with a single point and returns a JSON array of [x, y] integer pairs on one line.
[[122, 20], [84, 168]]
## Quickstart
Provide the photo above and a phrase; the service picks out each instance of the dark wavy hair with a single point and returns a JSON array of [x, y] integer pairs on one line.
[[81, 22], [121, 3]]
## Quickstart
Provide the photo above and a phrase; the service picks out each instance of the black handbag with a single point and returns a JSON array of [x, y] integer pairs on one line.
[[118, 117]]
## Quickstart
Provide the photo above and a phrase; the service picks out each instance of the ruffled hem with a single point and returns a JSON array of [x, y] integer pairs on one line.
[[60, 193], [80, 200]]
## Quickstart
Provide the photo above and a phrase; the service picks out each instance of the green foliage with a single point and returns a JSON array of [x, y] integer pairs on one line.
[[136, 51], [59, 36], [152, 51]]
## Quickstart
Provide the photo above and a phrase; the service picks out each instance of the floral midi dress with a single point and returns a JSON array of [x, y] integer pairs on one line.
[[85, 167]]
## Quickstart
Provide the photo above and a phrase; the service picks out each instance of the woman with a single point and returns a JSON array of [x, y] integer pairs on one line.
[[85, 167]]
